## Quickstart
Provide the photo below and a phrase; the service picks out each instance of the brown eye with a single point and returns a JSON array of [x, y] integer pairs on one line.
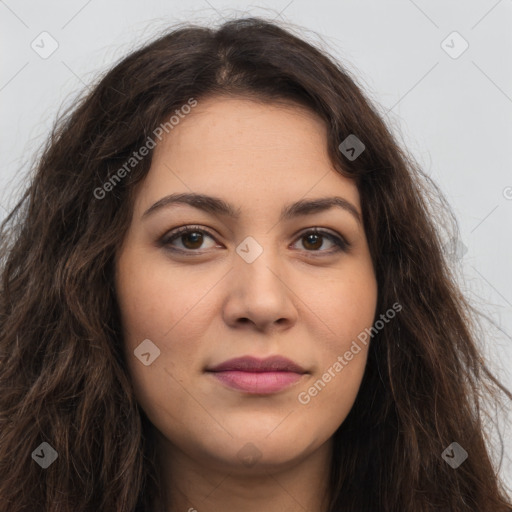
[[192, 238], [313, 240]]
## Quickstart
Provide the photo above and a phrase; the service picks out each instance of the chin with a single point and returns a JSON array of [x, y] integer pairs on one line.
[[252, 454]]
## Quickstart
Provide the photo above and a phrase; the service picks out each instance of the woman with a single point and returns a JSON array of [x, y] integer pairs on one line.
[[224, 290]]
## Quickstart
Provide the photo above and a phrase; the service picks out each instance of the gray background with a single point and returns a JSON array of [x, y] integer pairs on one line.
[[452, 112]]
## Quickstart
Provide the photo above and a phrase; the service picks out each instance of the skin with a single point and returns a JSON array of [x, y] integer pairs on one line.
[[299, 298]]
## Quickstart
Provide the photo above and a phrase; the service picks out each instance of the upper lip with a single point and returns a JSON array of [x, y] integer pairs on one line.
[[253, 364]]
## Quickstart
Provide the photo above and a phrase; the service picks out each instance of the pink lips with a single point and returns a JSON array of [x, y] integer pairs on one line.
[[258, 376]]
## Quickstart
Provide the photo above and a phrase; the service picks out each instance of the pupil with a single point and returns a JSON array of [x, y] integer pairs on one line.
[[196, 239], [313, 236]]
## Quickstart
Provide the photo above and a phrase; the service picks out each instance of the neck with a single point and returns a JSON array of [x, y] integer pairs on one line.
[[198, 486]]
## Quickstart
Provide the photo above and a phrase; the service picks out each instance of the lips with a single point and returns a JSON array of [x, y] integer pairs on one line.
[[253, 364], [258, 376]]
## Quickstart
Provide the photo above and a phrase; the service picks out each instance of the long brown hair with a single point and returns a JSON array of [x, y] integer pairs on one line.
[[63, 378]]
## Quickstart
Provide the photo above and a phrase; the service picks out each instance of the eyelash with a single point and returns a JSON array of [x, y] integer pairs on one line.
[[340, 243]]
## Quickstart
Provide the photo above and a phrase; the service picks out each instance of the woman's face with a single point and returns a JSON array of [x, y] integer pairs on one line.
[[249, 281]]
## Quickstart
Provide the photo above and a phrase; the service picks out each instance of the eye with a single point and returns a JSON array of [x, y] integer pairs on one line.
[[313, 240], [192, 238]]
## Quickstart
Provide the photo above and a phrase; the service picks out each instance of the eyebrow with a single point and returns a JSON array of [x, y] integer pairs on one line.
[[215, 205]]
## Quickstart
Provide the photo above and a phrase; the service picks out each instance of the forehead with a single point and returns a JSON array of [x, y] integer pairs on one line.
[[227, 146], [233, 128]]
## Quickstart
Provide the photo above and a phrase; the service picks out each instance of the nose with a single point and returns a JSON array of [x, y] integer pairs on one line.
[[259, 295]]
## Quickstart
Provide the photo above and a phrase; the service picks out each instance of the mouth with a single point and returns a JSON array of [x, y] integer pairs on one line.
[[258, 376]]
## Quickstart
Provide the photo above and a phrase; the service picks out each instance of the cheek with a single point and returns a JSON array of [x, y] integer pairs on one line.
[[163, 305], [341, 355], [344, 308], [328, 399], [343, 349], [156, 300]]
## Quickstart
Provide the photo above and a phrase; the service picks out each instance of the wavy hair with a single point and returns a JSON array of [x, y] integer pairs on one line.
[[63, 378]]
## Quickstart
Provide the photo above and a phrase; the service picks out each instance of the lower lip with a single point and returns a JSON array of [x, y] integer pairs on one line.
[[257, 382]]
